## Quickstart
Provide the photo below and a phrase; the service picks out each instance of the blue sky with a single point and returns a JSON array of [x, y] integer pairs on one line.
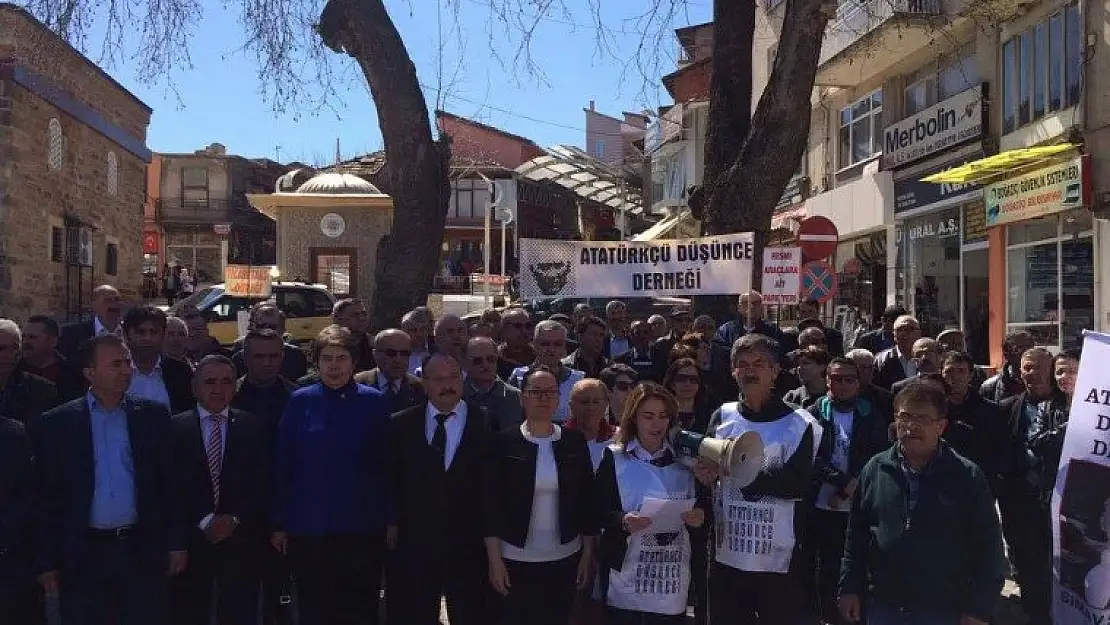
[[219, 99]]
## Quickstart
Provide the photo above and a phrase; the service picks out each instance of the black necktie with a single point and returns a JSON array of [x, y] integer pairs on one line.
[[439, 437]]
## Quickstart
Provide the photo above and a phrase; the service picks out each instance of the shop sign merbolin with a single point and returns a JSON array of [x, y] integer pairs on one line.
[[944, 125], [1038, 193]]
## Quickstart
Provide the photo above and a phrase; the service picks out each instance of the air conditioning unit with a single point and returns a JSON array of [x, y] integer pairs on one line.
[[84, 247]]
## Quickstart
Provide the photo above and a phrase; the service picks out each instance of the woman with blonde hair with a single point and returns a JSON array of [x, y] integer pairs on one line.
[[645, 566], [589, 407]]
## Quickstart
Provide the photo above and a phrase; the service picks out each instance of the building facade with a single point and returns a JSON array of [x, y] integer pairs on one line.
[[907, 95], [198, 216], [73, 159]]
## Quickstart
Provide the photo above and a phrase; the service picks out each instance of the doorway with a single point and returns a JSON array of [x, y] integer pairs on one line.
[[337, 269]]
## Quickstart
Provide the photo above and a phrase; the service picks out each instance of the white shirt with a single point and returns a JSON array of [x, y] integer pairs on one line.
[[416, 359], [99, 328], [454, 426], [544, 541], [207, 425], [149, 385], [907, 363]]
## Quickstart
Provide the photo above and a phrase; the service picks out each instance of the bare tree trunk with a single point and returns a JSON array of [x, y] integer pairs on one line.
[[417, 164], [749, 163]]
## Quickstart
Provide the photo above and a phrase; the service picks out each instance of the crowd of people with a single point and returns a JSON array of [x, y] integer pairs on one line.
[[519, 469]]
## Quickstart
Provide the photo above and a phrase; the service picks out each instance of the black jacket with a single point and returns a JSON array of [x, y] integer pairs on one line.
[[1038, 467], [177, 375], [575, 360], [978, 431], [411, 392], [438, 511], [294, 365], [944, 556], [728, 333], [244, 476], [71, 382], [16, 512], [27, 396], [888, 369], [510, 477], [867, 438], [72, 337], [64, 461], [1006, 383], [640, 361]]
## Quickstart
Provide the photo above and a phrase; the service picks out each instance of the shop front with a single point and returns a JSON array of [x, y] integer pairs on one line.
[[1048, 275], [940, 241], [941, 256]]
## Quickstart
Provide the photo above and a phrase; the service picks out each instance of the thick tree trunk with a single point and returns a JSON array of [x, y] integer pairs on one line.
[[417, 164], [746, 172]]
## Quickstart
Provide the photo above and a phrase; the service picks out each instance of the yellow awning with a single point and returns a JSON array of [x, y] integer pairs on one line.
[[1000, 164]]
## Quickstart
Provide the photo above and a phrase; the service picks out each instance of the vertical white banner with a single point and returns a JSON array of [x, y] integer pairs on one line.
[[1081, 501], [782, 275]]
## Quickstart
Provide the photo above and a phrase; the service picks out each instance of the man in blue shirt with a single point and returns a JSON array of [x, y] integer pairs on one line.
[[109, 534]]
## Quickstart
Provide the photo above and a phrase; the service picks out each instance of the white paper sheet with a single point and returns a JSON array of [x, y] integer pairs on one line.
[[665, 514]]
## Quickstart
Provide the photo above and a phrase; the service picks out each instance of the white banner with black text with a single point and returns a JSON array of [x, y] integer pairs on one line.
[[717, 265], [1081, 501]]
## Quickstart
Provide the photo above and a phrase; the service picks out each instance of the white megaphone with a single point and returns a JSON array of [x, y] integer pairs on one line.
[[738, 458]]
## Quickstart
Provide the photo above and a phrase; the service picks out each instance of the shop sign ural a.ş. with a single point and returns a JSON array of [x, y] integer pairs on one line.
[[944, 125], [1037, 193]]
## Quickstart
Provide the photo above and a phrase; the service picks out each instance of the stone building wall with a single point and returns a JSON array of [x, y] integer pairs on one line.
[[299, 232], [93, 173]]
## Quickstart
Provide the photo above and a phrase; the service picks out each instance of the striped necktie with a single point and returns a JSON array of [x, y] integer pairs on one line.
[[215, 452]]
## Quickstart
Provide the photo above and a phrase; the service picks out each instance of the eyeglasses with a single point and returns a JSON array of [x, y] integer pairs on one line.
[[687, 378], [477, 360], [543, 393], [845, 379], [394, 353]]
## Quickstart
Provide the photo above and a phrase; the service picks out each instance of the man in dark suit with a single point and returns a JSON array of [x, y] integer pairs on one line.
[[749, 321], [638, 355], [42, 358], [167, 381], [106, 307], [23, 396], [896, 364], [882, 338], [351, 313], [926, 356], [222, 463], [263, 392], [498, 401], [436, 473], [109, 533], [392, 349], [19, 598]]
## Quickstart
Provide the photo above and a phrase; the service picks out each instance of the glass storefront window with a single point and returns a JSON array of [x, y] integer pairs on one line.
[[1050, 278], [929, 259]]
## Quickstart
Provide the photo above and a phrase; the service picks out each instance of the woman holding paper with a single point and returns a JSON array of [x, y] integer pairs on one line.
[[647, 500], [539, 518]]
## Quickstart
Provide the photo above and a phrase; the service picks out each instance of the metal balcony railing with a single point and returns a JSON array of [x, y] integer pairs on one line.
[[178, 211], [858, 18]]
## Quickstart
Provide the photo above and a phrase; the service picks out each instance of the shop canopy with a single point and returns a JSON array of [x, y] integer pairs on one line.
[[1002, 164], [587, 177]]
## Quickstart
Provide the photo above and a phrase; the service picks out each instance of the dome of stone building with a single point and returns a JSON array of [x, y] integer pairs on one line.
[[332, 183]]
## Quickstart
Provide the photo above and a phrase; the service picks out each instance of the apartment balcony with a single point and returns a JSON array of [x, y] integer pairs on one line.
[[869, 37], [176, 211]]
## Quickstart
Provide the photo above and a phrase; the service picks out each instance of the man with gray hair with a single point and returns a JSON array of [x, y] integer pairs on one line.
[[896, 364], [392, 349], [550, 342], [417, 323], [757, 550], [499, 402], [880, 398], [451, 335], [927, 357], [23, 396]]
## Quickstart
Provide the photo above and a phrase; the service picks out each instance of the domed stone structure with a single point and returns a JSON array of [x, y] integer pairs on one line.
[[331, 183], [328, 229]]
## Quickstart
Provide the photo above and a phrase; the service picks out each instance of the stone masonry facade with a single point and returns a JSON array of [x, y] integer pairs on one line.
[[91, 175]]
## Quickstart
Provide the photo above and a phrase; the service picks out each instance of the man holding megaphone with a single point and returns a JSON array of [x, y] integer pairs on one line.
[[766, 474]]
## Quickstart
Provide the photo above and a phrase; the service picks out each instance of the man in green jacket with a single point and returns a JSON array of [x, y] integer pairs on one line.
[[924, 545]]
